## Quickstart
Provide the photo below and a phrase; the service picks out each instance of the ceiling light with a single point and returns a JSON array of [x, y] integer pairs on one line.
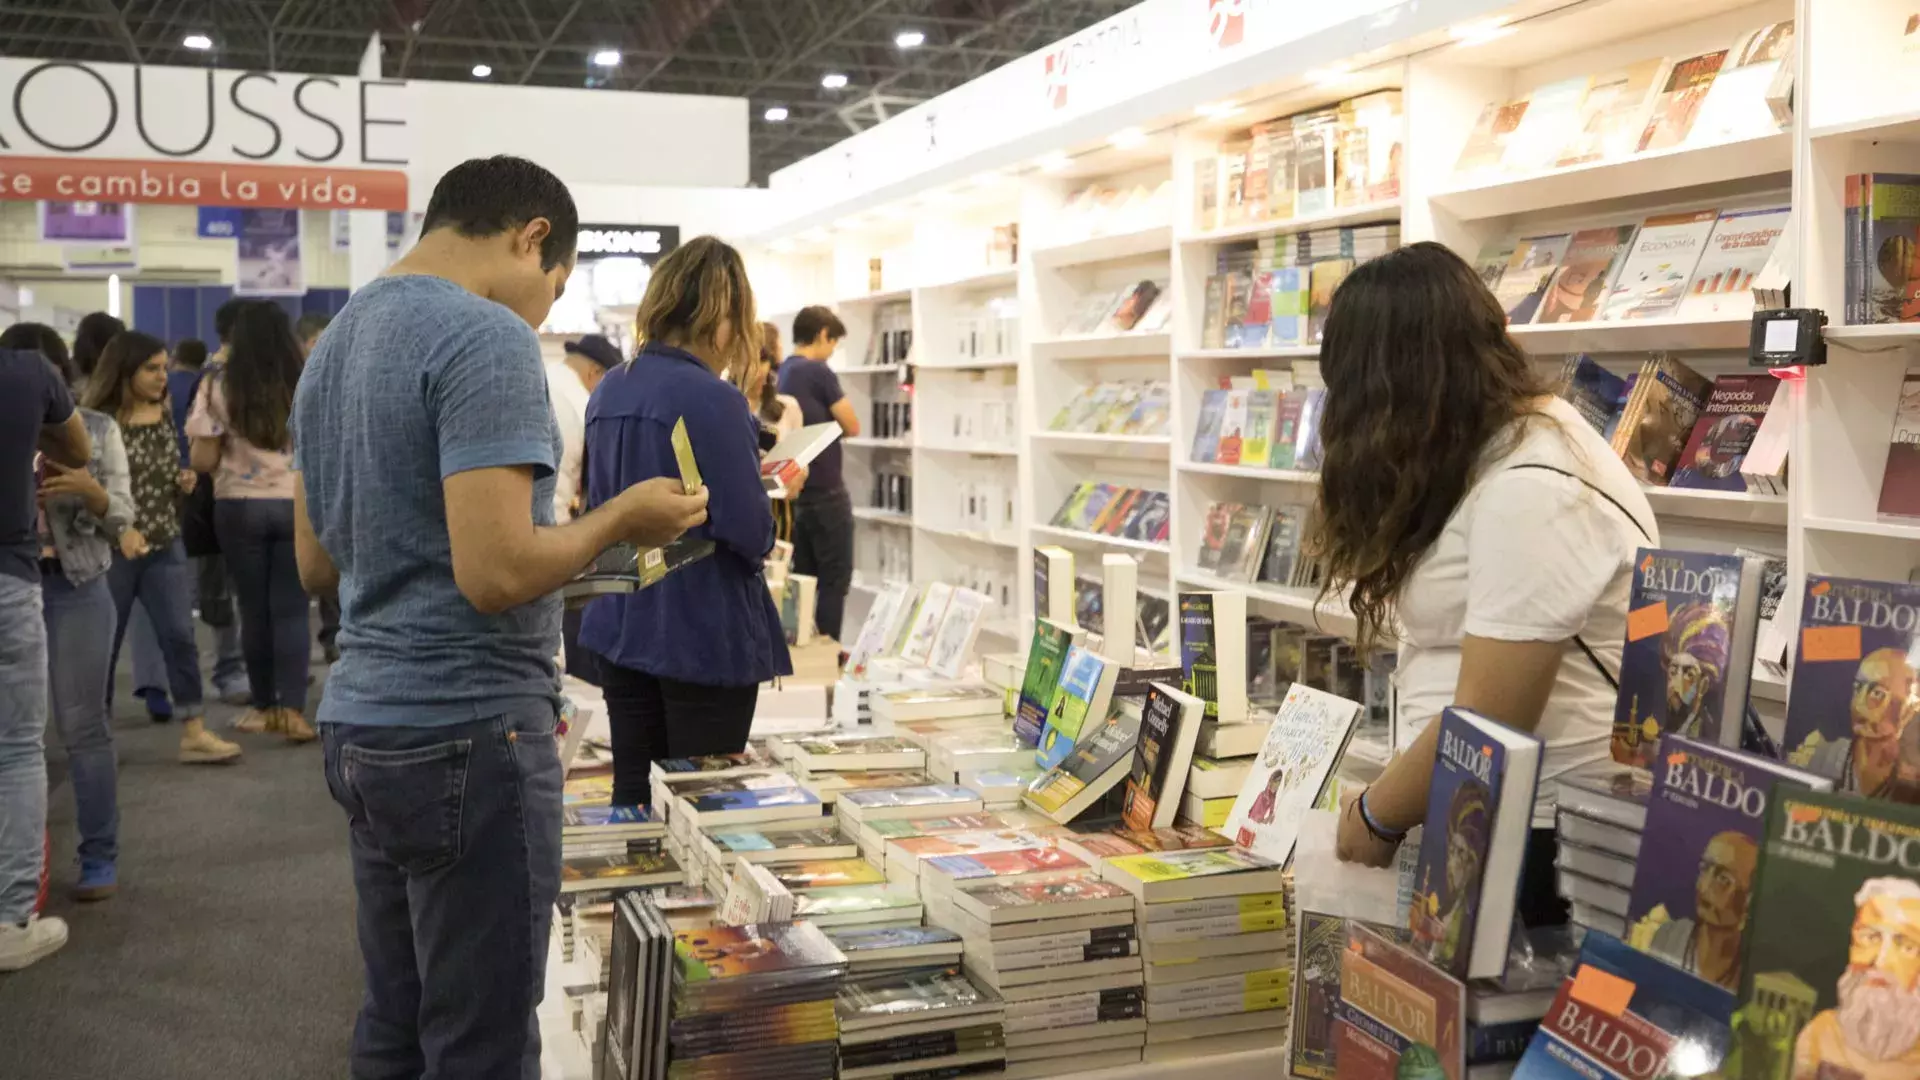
[[1128, 138], [1055, 162], [197, 41], [833, 80], [481, 71], [910, 39], [607, 58], [1481, 32], [777, 114], [1218, 110]]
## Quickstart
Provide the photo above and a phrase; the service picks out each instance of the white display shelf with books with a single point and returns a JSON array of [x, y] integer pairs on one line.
[[884, 517], [1859, 340], [1151, 240], [969, 535], [1734, 507], [992, 277], [1647, 173], [1055, 533], [1090, 442], [969, 365], [1094, 346], [1373, 213], [1887, 528], [1635, 335], [876, 369], [1250, 472], [884, 296], [1277, 352], [1900, 127], [975, 449], [1293, 603]]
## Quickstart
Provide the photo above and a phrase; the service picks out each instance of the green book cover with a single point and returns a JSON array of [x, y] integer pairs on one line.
[[1086, 680], [1044, 660]]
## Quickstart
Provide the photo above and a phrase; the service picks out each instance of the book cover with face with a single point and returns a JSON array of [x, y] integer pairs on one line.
[[1673, 667], [1453, 846], [1855, 692]]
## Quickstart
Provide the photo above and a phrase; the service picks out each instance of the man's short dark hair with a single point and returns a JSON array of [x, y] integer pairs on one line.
[[489, 196], [224, 315], [190, 354], [808, 324], [310, 325]]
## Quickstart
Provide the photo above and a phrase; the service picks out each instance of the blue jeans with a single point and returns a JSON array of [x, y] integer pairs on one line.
[[455, 838], [256, 536], [163, 583], [149, 662], [80, 622], [23, 759]]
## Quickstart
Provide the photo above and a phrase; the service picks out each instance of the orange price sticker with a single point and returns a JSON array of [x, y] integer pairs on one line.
[[1830, 643], [1602, 989], [1646, 622]]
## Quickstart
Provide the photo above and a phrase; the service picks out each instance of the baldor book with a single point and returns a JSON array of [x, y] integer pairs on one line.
[[1169, 727], [1694, 879], [1479, 810], [1688, 657], [1854, 687], [1900, 482], [1397, 1015], [1725, 432], [1623, 1015], [1833, 951], [1659, 417], [1303, 745]]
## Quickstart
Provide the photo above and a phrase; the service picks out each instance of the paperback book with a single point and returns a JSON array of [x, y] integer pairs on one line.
[[1085, 688], [1652, 281], [1593, 391], [1725, 432], [1678, 100], [1697, 858], [1397, 1015], [1624, 1015], [1688, 658], [1659, 417], [1101, 758], [1213, 652], [1593, 257], [1529, 271], [1169, 728], [1900, 480], [1736, 252], [1304, 743], [1854, 687]]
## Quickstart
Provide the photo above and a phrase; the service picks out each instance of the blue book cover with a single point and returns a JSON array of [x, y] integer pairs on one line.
[[596, 816], [1855, 685], [1206, 432], [1679, 648], [753, 800], [1694, 878], [1199, 665], [1623, 1015], [1461, 802]]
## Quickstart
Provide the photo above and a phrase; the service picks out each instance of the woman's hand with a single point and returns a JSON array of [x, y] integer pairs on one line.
[[133, 545], [1357, 842], [188, 480], [77, 482]]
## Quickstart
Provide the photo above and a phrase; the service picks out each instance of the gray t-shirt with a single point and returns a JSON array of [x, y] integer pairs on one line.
[[418, 379]]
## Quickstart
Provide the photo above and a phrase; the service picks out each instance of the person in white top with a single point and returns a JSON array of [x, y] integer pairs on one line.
[[570, 385], [1480, 519]]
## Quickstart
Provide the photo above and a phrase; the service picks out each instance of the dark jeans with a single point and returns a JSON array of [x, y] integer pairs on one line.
[[256, 536], [80, 621], [455, 840], [823, 547], [654, 719], [215, 600], [162, 581]]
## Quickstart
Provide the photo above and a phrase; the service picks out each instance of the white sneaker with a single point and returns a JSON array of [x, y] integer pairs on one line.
[[21, 946]]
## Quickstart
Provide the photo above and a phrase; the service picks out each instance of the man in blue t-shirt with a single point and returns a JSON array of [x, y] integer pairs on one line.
[[36, 417], [823, 513], [426, 449]]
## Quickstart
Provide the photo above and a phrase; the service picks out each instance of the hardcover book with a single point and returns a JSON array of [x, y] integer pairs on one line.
[[1724, 433], [1659, 418], [1100, 760], [1086, 685], [1580, 284], [1854, 687], [1652, 281], [1169, 727], [1736, 252], [1900, 482], [1697, 858], [1678, 100], [1623, 1015], [1592, 390], [1303, 744], [1397, 1016], [1688, 657], [1827, 988], [1479, 810], [1530, 269]]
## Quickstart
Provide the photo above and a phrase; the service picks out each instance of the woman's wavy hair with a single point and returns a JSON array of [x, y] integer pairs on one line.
[[1422, 384], [127, 353], [264, 361], [699, 288]]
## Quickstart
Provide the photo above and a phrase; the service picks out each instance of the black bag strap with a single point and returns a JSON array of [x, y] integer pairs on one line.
[[1612, 679]]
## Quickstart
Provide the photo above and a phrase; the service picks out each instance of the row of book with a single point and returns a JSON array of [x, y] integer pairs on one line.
[[1114, 510], [1674, 427], [1347, 154], [1142, 307], [891, 419], [1721, 95], [1696, 264], [1276, 292], [989, 330], [1275, 426], [1117, 407], [1882, 220], [976, 409], [1102, 210], [1257, 543], [892, 341]]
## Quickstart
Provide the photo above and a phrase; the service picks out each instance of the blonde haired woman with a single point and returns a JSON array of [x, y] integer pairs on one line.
[[684, 659]]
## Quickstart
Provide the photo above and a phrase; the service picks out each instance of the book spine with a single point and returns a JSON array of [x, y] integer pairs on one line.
[[1855, 265]]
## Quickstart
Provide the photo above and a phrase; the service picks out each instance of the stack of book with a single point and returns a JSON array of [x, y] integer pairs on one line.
[[871, 906], [761, 798], [637, 1032], [1065, 956], [1251, 543], [857, 808], [756, 1001], [717, 851], [894, 708], [875, 836], [896, 948], [829, 786], [1601, 817], [1343, 155], [922, 1022], [1219, 959]]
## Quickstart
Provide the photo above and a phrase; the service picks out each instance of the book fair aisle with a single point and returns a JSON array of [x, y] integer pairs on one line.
[[1066, 801]]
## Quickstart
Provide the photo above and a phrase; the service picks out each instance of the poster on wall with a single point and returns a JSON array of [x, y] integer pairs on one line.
[[86, 222], [397, 224], [267, 260]]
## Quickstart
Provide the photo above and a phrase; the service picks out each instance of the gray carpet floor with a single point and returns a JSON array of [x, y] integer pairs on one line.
[[229, 951]]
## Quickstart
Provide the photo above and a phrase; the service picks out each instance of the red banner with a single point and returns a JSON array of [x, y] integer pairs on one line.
[[199, 183]]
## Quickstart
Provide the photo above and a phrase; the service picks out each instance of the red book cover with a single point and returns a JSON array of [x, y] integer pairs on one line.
[[1398, 1015], [1900, 484]]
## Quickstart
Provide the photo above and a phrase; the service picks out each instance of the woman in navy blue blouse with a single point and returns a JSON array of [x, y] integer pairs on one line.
[[685, 658]]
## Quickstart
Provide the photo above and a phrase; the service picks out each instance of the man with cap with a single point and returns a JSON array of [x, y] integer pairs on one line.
[[569, 384]]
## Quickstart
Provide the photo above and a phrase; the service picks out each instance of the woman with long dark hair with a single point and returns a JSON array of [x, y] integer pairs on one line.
[[684, 659], [1462, 501], [89, 341], [130, 385], [240, 435]]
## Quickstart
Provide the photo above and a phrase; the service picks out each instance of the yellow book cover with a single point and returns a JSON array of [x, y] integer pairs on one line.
[[683, 453]]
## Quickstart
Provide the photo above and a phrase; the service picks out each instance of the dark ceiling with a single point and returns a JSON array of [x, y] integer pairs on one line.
[[772, 52]]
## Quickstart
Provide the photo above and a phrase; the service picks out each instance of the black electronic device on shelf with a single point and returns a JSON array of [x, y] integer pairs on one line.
[[1788, 337]]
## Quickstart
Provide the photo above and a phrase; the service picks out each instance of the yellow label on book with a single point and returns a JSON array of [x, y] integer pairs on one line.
[[1275, 998], [1270, 979], [1265, 901], [683, 453], [1254, 922]]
